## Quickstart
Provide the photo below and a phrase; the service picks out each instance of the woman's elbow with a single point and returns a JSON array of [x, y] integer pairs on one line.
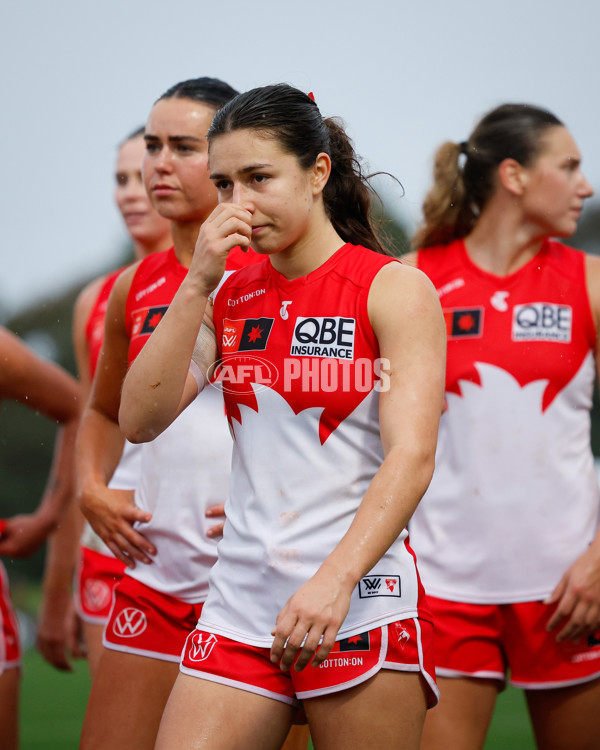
[[136, 430], [417, 462]]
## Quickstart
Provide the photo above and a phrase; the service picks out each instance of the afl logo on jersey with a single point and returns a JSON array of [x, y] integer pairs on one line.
[[464, 322], [324, 337], [542, 321], [250, 335]]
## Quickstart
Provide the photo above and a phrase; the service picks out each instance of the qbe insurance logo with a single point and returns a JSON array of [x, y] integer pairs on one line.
[[324, 337], [542, 321]]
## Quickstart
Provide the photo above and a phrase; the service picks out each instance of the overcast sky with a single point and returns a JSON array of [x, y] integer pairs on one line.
[[77, 76]]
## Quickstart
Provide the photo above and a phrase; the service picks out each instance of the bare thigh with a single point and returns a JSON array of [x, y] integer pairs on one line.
[[566, 718], [462, 718], [201, 714], [128, 695], [9, 709], [92, 634], [384, 712]]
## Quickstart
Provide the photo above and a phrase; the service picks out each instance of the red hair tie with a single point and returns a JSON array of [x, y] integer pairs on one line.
[[311, 96]]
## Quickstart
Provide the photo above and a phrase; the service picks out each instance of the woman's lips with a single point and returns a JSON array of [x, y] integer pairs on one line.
[[163, 189]]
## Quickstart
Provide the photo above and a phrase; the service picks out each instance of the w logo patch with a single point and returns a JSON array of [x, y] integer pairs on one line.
[[130, 623], [201, 645], [371, 586]]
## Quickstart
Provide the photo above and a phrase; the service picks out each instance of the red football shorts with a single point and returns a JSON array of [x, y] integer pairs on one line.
[[489, 640], [147, 622], [10, 645], [405, 646], [96, 577]]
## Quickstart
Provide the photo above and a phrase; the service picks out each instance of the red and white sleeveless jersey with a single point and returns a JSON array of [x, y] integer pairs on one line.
[[514, 498], [126, 474], [186, 468], [94, 328], [299, 370]]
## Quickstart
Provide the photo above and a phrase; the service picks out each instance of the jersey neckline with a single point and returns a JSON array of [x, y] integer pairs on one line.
[[311, 277], [178, 267], [509, 278]]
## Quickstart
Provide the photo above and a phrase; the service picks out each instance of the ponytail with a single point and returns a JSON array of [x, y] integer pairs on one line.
[[459, 193], [347, 195], [447, 214]]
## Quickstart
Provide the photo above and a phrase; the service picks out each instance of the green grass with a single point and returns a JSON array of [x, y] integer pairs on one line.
[[510, 727], [53, 704]]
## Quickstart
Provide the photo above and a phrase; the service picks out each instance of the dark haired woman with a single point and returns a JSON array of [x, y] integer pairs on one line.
[[506, 534], [332, 359], [167, 552]]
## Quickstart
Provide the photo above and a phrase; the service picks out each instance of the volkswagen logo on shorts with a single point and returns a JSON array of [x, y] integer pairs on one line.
[[96, 594], [201, 644], [129, 623]]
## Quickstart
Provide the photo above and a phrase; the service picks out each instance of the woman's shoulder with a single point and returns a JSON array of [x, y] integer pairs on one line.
[[358, 264]]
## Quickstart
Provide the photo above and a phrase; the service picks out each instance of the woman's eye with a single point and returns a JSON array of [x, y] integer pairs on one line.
[[121, 179], [152, 148], [260, 178], [222, 185]]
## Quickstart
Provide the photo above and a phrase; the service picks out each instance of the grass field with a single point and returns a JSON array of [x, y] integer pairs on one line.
[[53, 704]]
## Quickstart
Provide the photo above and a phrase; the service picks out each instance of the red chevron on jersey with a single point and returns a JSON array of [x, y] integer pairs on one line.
[[538, 318], [313, 332]]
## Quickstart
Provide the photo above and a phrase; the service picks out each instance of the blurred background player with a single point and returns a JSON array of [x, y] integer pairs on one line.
[[506, 535], [46, 388], [97, 568]]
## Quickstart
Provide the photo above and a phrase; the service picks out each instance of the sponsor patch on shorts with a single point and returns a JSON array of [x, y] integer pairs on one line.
[[97, 595], [200, 645], [129, 623]]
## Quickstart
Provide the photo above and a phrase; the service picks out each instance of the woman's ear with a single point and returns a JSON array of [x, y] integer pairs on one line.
[[512, 176], [321, 170]]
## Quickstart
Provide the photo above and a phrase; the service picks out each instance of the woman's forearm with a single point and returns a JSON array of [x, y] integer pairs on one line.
[[154, 391], [384, 512]]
